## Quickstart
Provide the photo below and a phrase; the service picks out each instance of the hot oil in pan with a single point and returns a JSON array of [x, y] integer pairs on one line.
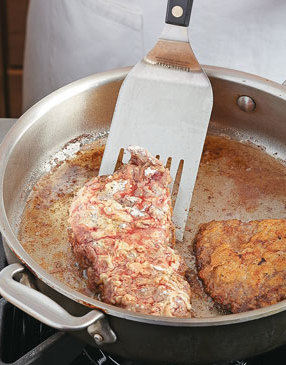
[[235, 180]]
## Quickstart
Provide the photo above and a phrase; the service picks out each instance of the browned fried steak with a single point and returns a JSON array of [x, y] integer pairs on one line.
[[122, 231], [243, 265]]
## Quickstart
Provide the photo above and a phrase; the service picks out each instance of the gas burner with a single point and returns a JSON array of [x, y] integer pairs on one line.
[[94, 356]]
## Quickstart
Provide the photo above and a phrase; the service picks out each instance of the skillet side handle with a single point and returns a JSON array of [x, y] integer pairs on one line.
[[48, 311], [179, 12]]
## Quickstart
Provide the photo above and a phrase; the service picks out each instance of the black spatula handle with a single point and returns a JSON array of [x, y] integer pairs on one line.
[[179, 12]]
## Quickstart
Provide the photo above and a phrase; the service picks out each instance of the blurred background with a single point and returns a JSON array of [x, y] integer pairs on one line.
[[71, 39], [13, 14]]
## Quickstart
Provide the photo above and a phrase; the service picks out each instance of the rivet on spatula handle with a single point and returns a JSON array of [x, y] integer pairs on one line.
[[179, 12]]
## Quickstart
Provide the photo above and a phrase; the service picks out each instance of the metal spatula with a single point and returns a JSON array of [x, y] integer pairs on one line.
[[164, 105]]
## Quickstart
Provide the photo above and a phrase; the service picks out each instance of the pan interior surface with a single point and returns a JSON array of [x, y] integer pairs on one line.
[[235, 181]]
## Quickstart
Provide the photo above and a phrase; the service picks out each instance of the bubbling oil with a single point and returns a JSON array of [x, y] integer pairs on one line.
[[235, 181]]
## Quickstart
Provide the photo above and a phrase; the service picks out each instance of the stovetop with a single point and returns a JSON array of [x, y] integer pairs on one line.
[[25, 341]]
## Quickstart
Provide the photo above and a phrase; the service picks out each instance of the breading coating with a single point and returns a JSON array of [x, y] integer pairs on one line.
[[121, 231], [243, 265]]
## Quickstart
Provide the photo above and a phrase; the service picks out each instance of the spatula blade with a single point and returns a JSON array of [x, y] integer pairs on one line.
[[167, 112]]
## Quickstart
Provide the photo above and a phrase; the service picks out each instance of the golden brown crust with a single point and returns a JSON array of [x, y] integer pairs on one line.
[[243, 265]]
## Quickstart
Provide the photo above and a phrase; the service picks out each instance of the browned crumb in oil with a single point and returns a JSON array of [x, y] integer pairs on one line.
[[255, 173], [43, 230]]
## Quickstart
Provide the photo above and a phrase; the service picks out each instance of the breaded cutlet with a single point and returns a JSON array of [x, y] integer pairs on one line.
[[122, 233], [243, 264]]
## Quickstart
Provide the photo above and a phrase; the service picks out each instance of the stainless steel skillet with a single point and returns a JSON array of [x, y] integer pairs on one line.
[[87, 106]]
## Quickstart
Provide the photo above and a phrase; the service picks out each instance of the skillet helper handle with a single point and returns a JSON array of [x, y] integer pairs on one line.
[[179, 12], [48, 311]]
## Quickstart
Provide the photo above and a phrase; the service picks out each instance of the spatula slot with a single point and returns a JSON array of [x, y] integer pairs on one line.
[[176, 181], [168, 163], [119, 161]]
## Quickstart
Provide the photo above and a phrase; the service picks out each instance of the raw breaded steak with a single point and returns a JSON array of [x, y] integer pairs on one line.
[[243, 265], [122, 232]]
